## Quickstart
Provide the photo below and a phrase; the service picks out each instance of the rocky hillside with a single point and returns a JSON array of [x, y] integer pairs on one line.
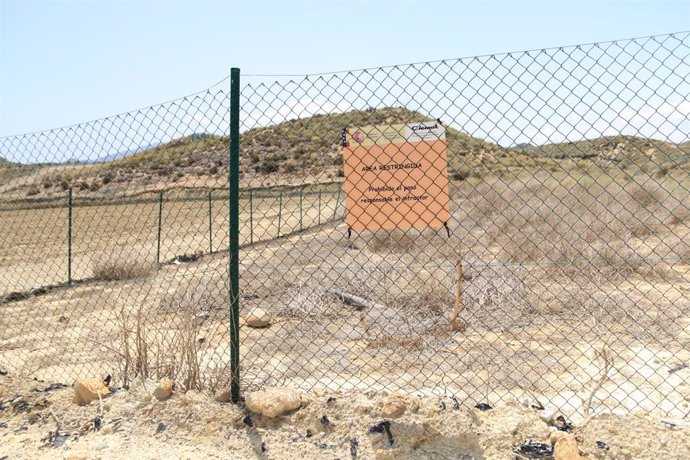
[[308, 149]]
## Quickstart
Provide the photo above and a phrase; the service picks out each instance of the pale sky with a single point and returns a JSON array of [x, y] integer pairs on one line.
[[64, 62]]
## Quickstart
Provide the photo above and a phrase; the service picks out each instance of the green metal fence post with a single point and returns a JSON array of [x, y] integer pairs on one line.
[[210, 224], [280, 212], [319, 207], [300, 209], [234, 209], [160, 226], [337, 203], [69, 237], [251, 216]]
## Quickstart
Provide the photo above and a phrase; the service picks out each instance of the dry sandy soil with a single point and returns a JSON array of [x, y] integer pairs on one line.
[[33, 246], [332, 425], [555, 271]]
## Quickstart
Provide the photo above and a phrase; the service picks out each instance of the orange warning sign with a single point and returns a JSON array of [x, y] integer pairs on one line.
[[396, 176]]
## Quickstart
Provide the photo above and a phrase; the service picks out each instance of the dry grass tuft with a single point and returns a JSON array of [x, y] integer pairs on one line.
[[147, 350], [393, 341], [120, 270]]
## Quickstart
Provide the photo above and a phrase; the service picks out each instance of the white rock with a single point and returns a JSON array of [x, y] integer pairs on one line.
[[273, 402], [548, 414], [258, 318]]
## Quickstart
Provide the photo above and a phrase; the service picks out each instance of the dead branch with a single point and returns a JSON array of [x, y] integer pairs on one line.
[[608, 363], [355, 300], [455, 324]]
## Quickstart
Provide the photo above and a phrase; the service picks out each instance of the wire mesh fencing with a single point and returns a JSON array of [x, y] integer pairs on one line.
[[494, 227]]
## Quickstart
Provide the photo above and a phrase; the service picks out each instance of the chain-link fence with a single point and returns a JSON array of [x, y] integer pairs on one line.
[[533, 242]]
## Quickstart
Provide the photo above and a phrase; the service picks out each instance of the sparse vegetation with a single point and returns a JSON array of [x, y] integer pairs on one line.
[[121, 270]]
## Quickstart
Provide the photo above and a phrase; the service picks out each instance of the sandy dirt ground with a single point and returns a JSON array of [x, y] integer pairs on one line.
[[34, 246], [35, 423], [569, 298]]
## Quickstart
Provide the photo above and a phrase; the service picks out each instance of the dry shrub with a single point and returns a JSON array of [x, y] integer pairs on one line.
[[393, 341], [120, 270], [391, 241], [148, 350]]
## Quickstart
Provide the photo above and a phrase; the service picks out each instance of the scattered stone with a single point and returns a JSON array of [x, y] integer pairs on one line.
[[331, 400], [3, 425], [247, 420], [394, 407], [97, 423], [164, 390], [258, 318], [442, 406], [224, 395], [556, 436], [34, 418], [87, 390], [547, 415], [273, 402], [160, 427], [325, 421], [566, 449], [3, 372]]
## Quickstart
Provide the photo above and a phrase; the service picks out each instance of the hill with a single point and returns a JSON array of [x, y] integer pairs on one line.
[[308, 150]]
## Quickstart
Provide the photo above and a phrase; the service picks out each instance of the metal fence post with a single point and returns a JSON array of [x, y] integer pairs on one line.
[[69, 237], [251, 216], [280, 212], [160, 226], [337, 203], [210, 224], [234, 210]]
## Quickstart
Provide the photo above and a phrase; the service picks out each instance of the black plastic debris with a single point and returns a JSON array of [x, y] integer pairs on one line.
[[383, 427], [97, 423], [563, 425], [442, 405], [263, 446], [679, 367], [51, 387], [602, 445], [331, 400], [160, 427], [186, 258], [456, 403], [108, 378], [483, 406], [534, 450], [325, 421], [354, 444], [19, 405], [309, 433], [3, 372], [248, 420], [55, 439]]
